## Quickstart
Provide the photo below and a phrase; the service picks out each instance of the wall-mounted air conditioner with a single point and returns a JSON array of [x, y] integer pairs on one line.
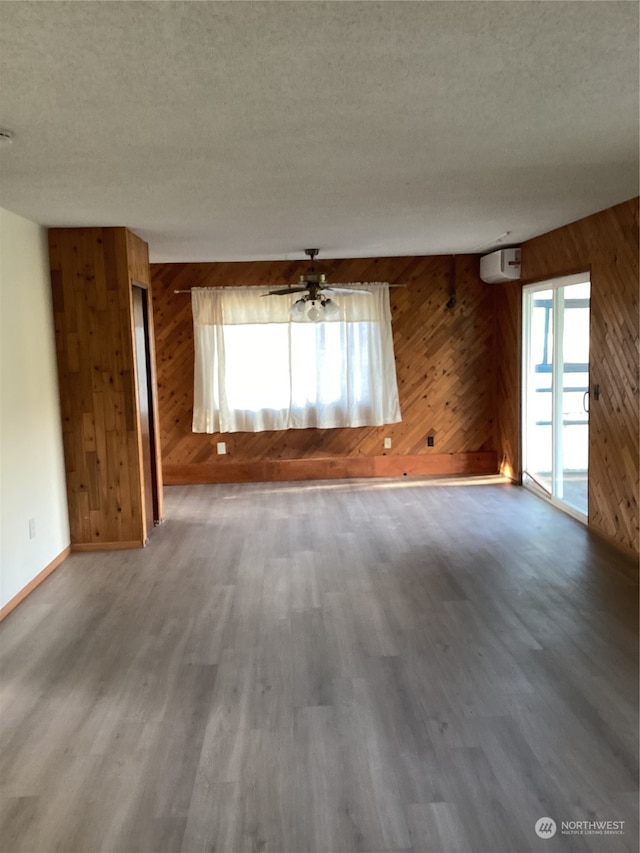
[[503, 265]]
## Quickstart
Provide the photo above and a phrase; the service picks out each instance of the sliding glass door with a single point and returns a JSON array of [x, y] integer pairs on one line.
[[556, 390]]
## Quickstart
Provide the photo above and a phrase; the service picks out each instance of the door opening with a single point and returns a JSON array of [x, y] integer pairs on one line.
[[145, 406], [555, 398]]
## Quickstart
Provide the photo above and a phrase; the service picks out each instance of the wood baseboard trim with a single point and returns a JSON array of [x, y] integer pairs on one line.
[[106, 546], [43, 575], [335, 468]]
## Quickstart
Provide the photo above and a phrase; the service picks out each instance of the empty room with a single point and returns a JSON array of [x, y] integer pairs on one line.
[[319, 426]]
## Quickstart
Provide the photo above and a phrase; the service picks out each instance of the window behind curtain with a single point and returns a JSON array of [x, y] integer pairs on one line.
[[257, 369]]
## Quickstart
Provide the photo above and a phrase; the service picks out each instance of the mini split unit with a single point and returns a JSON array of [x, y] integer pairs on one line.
[[503, 265]]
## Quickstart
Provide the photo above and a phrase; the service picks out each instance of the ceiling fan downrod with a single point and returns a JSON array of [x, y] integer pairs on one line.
[[312, 277]]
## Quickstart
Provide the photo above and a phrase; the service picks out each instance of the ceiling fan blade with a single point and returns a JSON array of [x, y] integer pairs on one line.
[[338, 289], [285, 290]]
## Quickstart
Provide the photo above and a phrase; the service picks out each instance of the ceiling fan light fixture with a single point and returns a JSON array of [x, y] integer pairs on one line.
[[314, 285], [297, 308], [331, 309], [314, 313]]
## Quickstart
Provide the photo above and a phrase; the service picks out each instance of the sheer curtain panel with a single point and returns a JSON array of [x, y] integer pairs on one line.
[[258, 368]]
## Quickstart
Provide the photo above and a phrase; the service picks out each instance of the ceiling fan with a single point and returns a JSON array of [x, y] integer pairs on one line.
[[314, 286]]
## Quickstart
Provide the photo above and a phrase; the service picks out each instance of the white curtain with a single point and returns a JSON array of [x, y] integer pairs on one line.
[[257, 368]]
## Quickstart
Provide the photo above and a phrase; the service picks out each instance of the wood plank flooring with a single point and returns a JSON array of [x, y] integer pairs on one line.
[[339, 667]]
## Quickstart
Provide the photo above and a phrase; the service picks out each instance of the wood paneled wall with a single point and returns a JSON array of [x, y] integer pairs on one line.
[[445, 375], [91, 272], [606, 244]]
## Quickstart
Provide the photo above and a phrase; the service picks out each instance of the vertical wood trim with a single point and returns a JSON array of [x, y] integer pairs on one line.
[[155, 413], [508, 316], [136, 406], [126, 258], [136, 403]]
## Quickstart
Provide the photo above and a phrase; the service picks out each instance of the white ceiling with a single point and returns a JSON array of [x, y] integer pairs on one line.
[[235, 131]]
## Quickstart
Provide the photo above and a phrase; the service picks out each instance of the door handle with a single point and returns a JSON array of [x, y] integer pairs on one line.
[[585, 401]]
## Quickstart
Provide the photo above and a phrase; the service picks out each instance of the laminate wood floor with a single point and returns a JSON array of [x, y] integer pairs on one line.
[[390, 665]]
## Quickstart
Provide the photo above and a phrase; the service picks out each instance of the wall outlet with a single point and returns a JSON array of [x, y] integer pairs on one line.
[[32, 528], [430, 441], [222, 448], [387, 444]]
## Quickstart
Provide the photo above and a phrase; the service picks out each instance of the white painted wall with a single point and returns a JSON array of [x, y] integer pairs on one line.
[[32, 481]]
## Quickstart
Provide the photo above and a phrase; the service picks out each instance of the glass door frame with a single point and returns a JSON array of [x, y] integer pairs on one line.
[[556, 285]]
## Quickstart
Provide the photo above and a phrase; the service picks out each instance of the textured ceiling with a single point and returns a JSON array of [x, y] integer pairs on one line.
[[232, 130]]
